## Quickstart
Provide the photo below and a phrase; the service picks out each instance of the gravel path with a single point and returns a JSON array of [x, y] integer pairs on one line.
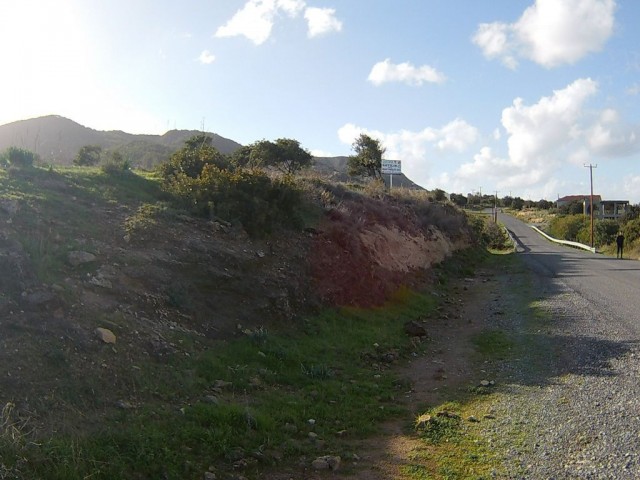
[[571, 403]]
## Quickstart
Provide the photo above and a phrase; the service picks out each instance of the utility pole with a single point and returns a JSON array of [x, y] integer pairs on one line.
[[591, 167], [495, 208]]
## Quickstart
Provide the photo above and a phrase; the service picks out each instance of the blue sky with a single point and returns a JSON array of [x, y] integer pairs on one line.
[[513, 96]]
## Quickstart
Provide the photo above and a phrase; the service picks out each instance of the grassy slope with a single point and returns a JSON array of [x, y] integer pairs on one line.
[[170, 398]]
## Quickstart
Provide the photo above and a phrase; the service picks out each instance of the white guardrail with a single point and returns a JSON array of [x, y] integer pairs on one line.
[[564, 242]]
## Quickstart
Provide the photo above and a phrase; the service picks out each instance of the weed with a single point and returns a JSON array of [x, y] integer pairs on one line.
[[494, 344], [317, 371], [12, 429]]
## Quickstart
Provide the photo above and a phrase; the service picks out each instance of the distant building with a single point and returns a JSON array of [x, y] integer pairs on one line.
[[611, 209], [602, 209]]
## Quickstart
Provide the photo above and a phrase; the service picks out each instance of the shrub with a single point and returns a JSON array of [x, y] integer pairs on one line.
[[115, 165], [604, 232], [191, 160], [249, 197], [631, 230], [18, 157], [567, 227]]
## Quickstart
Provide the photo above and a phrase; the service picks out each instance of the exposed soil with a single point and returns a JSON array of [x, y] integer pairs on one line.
[[447, 368], [449, 365]]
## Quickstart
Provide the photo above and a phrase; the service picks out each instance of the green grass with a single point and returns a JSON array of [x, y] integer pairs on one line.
[[494, 344], [320, 371]]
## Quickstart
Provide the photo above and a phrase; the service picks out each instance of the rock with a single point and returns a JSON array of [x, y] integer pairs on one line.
[[221, 384], [39, 297], [472, 419], [326, 462], [124, 405], [9, 206], [212, 399], [415, 329], [290, 428], [106, 335], [100, 281], [78, 257], [209, 476]]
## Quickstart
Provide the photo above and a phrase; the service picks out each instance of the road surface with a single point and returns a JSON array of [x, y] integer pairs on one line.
[[578, 406]]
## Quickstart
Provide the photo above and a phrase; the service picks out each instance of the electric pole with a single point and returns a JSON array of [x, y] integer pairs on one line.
[[591, 167]]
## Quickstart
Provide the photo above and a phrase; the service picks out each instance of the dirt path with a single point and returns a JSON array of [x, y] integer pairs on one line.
[[447, 367]]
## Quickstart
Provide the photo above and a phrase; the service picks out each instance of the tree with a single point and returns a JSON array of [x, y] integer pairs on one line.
[[517, 203], [439, 195], [459, 199], [368, 158], [291, 157], [88, 155], [191, 159], [241, 157], [285, 155]]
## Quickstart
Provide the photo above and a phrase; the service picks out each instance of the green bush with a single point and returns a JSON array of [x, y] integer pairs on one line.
[[248, 197], [191, 160], [18, 157], [604, 232], [115, 165], [631, 230], [567, 227]]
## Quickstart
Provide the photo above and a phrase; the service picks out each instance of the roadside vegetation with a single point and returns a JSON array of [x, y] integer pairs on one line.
[[264, 397]]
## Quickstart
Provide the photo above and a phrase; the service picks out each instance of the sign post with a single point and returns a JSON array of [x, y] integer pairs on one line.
[[391, 167]]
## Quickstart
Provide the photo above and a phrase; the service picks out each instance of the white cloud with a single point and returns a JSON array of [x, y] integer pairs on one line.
[[611, 138], [455, 136], [386, 72], [256, 19], [494, 40], [416, 149], [536, 132], [541, 137], [550, 32], [633, 89], [206, 57], [321, 21]]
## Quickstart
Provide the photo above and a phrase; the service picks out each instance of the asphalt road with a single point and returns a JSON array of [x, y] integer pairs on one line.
[[574, 396], [611, 285]]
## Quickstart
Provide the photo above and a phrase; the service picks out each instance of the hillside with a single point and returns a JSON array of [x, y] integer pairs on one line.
[[57, 141], [119, 310]]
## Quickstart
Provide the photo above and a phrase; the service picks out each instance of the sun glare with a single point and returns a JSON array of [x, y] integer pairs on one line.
[[44, 54]]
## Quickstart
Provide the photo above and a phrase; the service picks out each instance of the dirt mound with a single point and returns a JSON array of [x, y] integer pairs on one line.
[[367, 249]]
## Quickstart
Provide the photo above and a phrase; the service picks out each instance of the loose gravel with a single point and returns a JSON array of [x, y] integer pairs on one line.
[[569, 403]]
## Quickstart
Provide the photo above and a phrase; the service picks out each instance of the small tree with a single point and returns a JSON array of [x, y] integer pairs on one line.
[[285, 155], [18, 157], [459, 199], [439, 195], [291, 157], [368, 158], [88, 155], [191, 159]]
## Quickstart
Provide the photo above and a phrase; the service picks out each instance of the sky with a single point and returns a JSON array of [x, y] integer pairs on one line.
[[506, 97]]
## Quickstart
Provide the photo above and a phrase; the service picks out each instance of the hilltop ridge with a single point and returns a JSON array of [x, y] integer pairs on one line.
[[57, 140]]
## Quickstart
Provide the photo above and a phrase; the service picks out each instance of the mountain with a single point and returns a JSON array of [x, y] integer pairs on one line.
[[57, 140]]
